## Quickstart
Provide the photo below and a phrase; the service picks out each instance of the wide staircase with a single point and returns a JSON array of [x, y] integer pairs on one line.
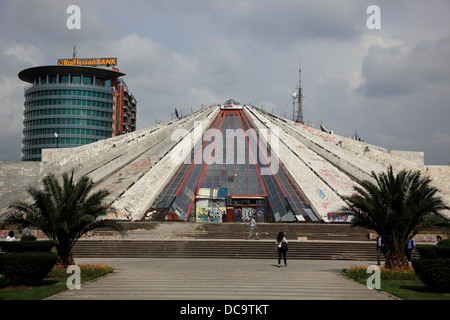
[[292, 231], [225, 249], [228, 240]]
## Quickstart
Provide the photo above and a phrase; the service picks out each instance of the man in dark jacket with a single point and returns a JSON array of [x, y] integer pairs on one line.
[[381, 249], [409, 249]]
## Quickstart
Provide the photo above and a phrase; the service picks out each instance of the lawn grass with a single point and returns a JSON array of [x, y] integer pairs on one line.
[[49, 287], [55, 282], [411, 290], [402, 283]]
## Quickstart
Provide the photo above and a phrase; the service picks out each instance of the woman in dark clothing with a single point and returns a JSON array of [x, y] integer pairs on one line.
[[281, 240]]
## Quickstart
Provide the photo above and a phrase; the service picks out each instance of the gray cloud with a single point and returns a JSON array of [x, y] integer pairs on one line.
[[403, 70], [390, 84]]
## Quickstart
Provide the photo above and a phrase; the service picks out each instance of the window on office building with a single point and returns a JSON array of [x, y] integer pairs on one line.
[[64, 79], [53, 79], [87, 80], [76, 79]]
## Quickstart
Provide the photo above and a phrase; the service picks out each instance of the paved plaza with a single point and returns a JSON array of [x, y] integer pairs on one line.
[[222, 279]]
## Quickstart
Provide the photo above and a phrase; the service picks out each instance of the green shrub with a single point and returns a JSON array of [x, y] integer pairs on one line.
[[27, 261], [433, 267], [28, 238], [434, 252], [28, 268], [27, 246], [4, 282], [435, 273], [444, 243], [88, 271]]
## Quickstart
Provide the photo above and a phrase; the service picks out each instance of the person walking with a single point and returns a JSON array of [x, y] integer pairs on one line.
[[282, 248], [381, 249], [253, 229], [409, 249], [26, 232]]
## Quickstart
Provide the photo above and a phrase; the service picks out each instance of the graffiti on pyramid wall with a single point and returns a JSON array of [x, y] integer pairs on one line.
[[210, 214]]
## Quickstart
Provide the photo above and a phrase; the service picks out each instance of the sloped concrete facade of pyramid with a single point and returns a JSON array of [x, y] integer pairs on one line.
[[114, 164], [135, 167], [336, 163], [321, 183], [136, 200]]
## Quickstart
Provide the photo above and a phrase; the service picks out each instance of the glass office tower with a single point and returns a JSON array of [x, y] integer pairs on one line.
[[67, 106]]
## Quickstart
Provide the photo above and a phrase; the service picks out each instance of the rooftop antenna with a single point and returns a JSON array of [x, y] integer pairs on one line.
[[74, 55], [299, 95]]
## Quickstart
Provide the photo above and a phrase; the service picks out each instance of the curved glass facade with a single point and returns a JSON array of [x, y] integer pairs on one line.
[[66, 110]]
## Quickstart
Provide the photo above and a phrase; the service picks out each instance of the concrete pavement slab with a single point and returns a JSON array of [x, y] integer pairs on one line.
[[222, 279]]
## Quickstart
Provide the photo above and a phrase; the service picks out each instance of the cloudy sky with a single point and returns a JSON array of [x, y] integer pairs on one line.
[[391, 84]]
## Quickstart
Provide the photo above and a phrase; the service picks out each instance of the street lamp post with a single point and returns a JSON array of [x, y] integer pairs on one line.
[[57, 140]]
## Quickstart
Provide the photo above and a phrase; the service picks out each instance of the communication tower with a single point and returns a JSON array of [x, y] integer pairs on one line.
[[300, 96], [297, 98]]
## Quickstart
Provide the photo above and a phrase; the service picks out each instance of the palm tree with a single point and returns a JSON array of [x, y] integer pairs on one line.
[[397, 207], [64, 213]]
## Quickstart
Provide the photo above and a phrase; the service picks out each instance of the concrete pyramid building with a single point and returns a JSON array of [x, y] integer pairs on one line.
[[223, 163]]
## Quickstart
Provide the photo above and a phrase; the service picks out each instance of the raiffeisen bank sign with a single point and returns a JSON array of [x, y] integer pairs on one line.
[[92, 62]]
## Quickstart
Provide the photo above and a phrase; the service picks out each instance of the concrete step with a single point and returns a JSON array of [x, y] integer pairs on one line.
[[249, 249], [292, 231], [227, 240]]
